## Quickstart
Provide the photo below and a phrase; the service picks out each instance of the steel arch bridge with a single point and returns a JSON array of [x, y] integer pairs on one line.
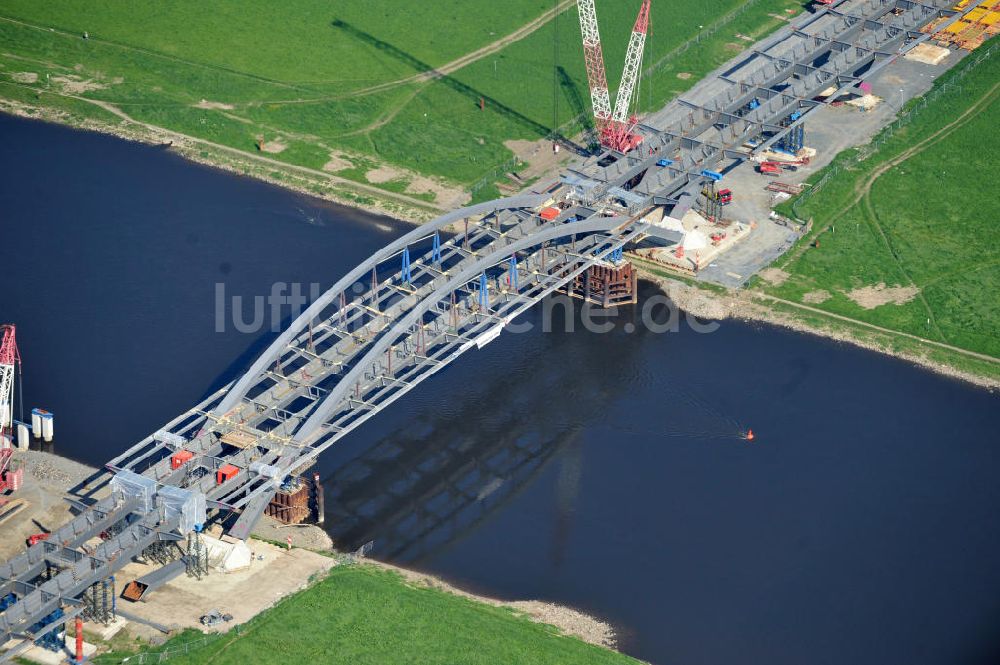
[[440, 290]]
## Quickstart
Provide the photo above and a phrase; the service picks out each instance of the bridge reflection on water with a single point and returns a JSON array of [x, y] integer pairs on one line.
[[425, 483]]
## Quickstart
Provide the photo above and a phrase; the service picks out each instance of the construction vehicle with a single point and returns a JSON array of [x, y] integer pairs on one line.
[[36, 538], [614, 129], [775, 167], [721, 196], [215, 618]]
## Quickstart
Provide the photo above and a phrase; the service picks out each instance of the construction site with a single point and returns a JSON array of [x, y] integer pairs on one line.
[[161, 538]]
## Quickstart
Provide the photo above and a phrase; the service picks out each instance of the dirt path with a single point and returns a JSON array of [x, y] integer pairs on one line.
[[169, 133], [469, 58], [156, 54], [437, 72], [862, 194], [446, 69], [869, 207]]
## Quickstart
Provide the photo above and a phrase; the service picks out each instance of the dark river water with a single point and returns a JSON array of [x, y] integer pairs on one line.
[[602, 471]]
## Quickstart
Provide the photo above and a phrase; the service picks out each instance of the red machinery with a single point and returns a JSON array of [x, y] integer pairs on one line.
[[725, 196], [775, 168], [10, 474], [35, 538], [769, 168], [614, 129]]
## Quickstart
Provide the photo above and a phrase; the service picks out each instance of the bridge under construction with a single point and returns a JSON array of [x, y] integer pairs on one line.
[[444, 288]]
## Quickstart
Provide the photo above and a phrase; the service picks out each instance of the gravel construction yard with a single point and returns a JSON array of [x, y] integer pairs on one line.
[[829, 131], [47, 481], [244, 593]]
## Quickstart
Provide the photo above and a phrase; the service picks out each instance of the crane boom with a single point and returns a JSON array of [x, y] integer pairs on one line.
[[594, 58], [8, 356], [633, 62]]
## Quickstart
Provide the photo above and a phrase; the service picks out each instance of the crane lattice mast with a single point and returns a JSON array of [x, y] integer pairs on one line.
[[9, 355], [594, 58], [620, 129]]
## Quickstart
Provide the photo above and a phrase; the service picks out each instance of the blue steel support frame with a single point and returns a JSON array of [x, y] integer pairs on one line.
[[436, 251], [512, 273], [484, 299], [404, 275]]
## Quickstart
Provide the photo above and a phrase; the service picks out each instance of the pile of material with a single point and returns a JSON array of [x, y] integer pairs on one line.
[[927, 54], [865, 102], [970, 31]]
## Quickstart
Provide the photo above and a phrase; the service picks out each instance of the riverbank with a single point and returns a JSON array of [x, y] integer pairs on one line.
[[289, 176], [699, 299], [752, 305], [49, 477]]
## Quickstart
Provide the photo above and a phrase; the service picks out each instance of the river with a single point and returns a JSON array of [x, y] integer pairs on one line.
[[605, 471]]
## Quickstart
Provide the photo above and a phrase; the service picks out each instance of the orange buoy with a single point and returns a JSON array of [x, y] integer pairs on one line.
[[749, 436]]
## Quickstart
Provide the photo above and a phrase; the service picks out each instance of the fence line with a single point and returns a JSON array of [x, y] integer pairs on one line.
[[183, 649], [904, 118], [713, 28], [497, 171]]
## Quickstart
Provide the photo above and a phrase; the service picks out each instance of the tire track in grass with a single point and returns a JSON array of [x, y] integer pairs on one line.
[[871, 215]]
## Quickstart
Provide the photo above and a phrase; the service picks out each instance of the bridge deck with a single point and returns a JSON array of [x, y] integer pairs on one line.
[[426, 298]]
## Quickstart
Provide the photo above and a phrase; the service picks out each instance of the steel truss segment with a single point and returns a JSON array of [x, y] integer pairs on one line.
[[266, 359], [326, 408], [321, 440]]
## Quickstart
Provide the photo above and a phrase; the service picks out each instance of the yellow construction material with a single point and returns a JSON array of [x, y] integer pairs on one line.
[[970, 31]]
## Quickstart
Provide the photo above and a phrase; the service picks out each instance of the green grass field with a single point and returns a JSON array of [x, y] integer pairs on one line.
[[929, 221], [303, 73], [361, 614]]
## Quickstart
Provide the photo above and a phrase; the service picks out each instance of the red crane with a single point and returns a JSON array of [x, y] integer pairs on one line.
[[9, 355], [614, 129], [10, 474]]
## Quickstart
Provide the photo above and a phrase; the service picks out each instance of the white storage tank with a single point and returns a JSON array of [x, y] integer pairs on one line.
[[36, 422], [47, 426], [22, 436]]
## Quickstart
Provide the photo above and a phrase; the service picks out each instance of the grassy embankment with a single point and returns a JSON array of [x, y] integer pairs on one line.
[[362, 614], [336, 86], [919, 213]]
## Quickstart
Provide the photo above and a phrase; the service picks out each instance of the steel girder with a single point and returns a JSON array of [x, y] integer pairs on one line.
[[236, 393]]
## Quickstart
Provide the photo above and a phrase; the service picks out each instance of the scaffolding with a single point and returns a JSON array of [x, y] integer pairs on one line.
[[197, 555], [290, 504], [161, 552], [606, 284], [794, 140], [99, 601]]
